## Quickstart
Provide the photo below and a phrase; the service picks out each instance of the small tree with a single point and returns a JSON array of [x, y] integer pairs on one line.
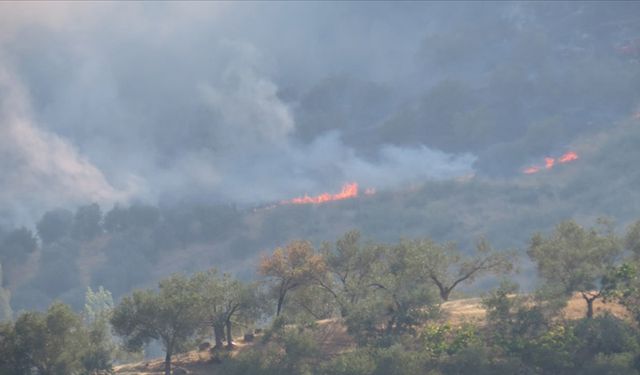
[[291, 267], [446, 267], [575, 259], [52, 342], [102, 346], [170, 316]]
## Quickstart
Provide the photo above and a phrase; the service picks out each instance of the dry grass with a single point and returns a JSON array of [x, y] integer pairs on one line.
[[470, 310], [333, 338]]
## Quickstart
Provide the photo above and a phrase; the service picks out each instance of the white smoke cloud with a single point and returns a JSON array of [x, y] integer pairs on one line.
[[138, 102], [41, 170]]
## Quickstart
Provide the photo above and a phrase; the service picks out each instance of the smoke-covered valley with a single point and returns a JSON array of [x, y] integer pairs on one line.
[[189, 125]]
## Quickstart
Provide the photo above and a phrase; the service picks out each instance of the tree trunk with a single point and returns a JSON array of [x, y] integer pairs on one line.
[[229, 338], [590, 307], [280, 303], [444, 294], [589, 300], [167, 362], [218, 333]]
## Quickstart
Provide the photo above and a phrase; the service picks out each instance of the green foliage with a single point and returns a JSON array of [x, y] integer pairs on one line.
[[623, 285], [224, 300], [394, 299], [513, 320], [441, 339], [397, 360], [97, 304], [350, 265], [632, 239], [55, 343], [575, 259], [290, 352], [265, 362], [356, 362], [169, 315], [387, 295], [445, 267]]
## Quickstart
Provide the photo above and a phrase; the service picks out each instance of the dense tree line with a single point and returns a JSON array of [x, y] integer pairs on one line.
[[389, 297], [132, 238]]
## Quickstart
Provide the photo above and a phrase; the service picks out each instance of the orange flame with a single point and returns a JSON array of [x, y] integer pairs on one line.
[[531, 170], [549, 162], [349, 190], [567, 157]]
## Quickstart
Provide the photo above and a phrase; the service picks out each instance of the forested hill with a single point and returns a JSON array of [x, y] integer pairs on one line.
[[129, 246]]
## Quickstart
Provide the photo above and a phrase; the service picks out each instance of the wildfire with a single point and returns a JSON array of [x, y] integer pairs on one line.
[[531, 170], [551, 162], [349, 190], [569, 156]]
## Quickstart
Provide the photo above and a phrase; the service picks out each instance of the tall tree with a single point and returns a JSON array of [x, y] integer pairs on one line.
[[52, 342], [576, 259], [350, 265], [288, 268], [169, 315], [396, 298], [102, 346], [225, 301]]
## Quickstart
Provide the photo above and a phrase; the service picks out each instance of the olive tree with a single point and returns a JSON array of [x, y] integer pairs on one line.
[[224, 301], [289, 268], [575, 259], [447, 268], [169, 315]]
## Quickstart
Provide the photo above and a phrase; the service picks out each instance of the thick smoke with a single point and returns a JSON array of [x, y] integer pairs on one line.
[[39, 168], [266, 101], [112, 102]]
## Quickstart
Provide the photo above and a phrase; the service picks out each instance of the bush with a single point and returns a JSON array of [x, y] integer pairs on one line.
[[358, 362]]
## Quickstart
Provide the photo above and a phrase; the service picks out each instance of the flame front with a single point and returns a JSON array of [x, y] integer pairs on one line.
[[531, 170], [550, 162], [349, 190], [569, 156]]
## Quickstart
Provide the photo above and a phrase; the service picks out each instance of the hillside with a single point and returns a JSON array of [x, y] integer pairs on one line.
[[137, 245], [333, 338]]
